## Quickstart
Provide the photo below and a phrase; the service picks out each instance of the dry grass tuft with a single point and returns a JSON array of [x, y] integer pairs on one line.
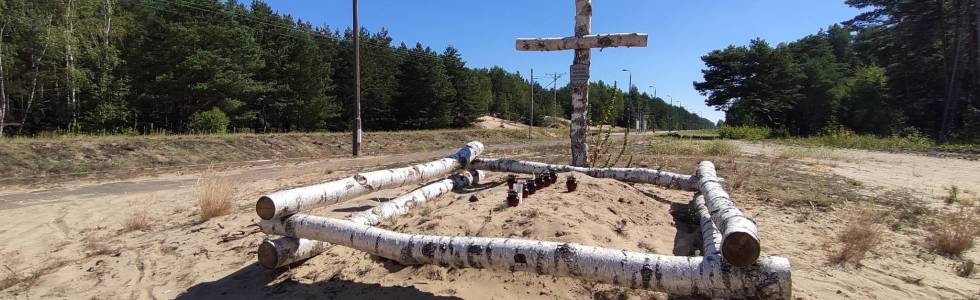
[[214, 195], [955, 234], [138, 219], [860, 236]]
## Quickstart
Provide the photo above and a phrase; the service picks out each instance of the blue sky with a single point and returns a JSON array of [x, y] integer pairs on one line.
[[680, 32]]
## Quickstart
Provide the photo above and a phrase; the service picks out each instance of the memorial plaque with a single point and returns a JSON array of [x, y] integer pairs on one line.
[[580, 74]]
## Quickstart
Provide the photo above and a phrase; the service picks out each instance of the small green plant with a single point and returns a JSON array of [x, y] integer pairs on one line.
[[744, 132], [425, 211], [953, 195], [212, 121]]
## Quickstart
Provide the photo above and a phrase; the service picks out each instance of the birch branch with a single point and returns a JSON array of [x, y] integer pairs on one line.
[[284, 203], [740, 237], [584, 42], [768, 278], [288, 250], [635, 175]]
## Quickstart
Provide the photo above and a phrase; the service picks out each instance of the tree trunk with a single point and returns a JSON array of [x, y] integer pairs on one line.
[[35, 65], [953, 85], [584, 42], [635, 175], [3, 88], [284, 203], [710, 237], [288, 250], [403, 203], [740, 237], [699, 276], [580, 86]]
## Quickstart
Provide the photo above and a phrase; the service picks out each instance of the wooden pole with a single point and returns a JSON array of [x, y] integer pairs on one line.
[[531, 116], [634, 175], [580, 86], [740, 237], [288, 250], [769, 278], [284, 203], [357, 85]]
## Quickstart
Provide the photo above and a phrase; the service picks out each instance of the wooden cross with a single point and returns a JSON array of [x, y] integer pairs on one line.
[[582, 43]]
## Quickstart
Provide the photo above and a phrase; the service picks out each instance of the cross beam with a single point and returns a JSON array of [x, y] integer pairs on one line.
[[585, 42], [582, 43]]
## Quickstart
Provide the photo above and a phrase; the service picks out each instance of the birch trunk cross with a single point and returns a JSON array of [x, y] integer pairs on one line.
[[582, 43]]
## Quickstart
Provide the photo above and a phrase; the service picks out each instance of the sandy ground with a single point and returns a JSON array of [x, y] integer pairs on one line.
[[68, 242], [929, 176]]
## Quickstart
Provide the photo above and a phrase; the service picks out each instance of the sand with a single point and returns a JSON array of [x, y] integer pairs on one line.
[[70, 243]]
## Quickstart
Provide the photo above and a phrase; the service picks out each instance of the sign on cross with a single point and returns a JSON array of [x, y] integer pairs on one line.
[[582, 43]]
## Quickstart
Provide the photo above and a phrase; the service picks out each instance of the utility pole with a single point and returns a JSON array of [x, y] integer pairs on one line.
[[555, 110], [670, 119], [632, 106], [531, 117], [357, 85]]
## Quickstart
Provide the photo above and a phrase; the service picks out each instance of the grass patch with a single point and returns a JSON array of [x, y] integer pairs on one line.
[[744, 132], [804, 153], [954, 235], [861, 234], [851, 140], [692, 147], [953, 195], [137, 219], [214, 195]]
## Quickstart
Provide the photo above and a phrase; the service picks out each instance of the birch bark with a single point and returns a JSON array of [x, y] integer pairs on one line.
[[284, 203], [635, 175], [768, 278], [288, 250], [740, 237]]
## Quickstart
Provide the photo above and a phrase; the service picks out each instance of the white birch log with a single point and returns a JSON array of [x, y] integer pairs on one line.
[[635, 175], [582, 61], [740, 237], [584, 42], [710, 236], [284, 203], [288, 250], [769, 278]]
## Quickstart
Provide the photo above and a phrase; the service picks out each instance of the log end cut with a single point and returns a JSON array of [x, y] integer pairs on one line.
[[268, 255], [265, 208], [740, 249]]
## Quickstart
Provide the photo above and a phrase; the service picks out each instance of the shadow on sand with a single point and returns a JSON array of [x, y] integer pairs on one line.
[[253, 282]]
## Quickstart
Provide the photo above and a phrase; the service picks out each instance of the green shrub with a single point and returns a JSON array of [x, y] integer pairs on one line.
[[212, 121], [744, 132]]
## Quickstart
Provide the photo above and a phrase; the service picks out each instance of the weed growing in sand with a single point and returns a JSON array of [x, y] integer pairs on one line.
[[138, 219], [953, 195], [955, 234], [966, 269], [860, 235], [214, 195], [425, 211]]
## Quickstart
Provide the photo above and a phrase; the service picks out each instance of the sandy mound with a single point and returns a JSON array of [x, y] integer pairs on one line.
[[488, 122]]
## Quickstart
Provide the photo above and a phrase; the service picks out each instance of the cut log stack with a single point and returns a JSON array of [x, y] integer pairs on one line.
[[730, 265]]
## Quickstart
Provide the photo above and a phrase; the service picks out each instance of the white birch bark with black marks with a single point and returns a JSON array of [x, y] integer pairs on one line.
[[710, 236], [634, 175], [288, 250], [740, 237], [284, 203], [580, 88], [584, 42], [3, 88], [768, 278]]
